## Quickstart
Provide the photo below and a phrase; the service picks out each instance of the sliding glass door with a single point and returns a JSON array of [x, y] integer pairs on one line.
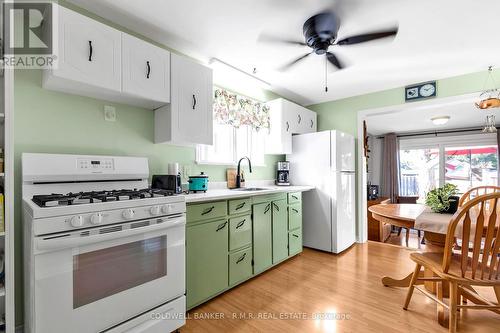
[[466, 161]]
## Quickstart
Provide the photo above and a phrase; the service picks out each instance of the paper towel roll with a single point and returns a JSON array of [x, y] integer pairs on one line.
[[173, 168]]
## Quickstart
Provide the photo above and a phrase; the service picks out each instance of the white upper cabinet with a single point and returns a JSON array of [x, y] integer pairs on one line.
[[146, 70], [89, 55], [188, 119], [287, 118], [98, 61]]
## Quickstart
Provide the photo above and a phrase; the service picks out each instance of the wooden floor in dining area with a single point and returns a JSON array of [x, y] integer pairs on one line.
[[322, 292]]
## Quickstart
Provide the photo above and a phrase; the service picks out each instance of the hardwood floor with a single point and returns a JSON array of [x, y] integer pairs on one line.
[[347, 285]]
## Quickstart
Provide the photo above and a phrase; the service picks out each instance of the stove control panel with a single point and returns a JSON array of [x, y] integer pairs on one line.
[[95, 164]]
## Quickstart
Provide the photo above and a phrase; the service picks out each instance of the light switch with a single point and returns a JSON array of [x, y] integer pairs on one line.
[[109, 113]]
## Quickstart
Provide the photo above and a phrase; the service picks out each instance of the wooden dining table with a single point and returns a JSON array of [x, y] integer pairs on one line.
[[404, 215]]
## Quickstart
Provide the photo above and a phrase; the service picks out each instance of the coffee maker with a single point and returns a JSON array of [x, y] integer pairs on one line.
[[283, 173]]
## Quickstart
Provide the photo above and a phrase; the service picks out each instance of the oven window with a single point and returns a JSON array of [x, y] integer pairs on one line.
[[105, 272]]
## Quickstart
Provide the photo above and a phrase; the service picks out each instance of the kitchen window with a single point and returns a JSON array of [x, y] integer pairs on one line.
[[466, 161], [240, 127]]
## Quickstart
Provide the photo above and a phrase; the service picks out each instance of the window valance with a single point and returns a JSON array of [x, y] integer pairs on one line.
[[235, 110]]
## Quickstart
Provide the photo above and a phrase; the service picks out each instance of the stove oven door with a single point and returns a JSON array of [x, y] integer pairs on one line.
[[89, 282]]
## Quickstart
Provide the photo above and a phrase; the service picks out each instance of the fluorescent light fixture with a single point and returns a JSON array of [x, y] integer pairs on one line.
[[441, 120], [228, 75]]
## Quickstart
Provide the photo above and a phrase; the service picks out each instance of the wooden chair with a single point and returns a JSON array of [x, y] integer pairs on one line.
[[407, 200], [476, 265], [477, 191]]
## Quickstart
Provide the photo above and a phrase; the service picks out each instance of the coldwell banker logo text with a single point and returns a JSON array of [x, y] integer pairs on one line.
[[29, 34]]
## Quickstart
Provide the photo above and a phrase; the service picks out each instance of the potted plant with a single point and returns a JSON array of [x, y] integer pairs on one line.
[[443, 200]]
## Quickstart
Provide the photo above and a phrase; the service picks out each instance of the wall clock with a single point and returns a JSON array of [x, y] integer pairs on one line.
[[420, 91]]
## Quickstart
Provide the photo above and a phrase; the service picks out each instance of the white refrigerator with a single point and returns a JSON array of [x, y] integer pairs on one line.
[[326, 160]]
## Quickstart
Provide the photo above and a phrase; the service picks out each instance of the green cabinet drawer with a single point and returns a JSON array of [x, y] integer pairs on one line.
[[206, 260], [280, 230], [240, 232], [294, 197], [295, 216], [239, 206], [262, 237], [295, 242], [206, 211], [240, 266]]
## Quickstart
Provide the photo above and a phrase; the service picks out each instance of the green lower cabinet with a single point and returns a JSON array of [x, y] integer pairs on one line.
[[240, 232], [207, 264], [295, 242], [280, 230], [240, 265], [295, 216], [262, 237]]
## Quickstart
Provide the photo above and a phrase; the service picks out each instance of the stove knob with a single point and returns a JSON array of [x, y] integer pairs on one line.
[[128, 214], [76, 221], [96, 218], [155, 210], [167, 209]]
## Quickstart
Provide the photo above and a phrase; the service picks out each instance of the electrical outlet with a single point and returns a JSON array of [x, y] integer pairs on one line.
[[109, 113]]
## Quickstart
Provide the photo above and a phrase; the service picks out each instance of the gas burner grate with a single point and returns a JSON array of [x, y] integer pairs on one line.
[[56, 199]]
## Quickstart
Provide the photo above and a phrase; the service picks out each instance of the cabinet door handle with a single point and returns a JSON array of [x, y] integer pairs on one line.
[[276, 207], [221, 226], [240, 224], [91, 50], [300, 118], [287, 126], [312, 123], [268, 207], [207, 211], [295, 197], [241, 258], [149, 69], [194, 101], [240, 206], [295, 210], [296, 236]]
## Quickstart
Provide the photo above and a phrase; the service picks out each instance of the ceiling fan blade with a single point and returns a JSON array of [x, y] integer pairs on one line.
[[332, 58], [367, 37], [292, 63], [274, 39]]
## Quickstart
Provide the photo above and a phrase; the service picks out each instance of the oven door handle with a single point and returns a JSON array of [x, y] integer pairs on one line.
[[55, 243]]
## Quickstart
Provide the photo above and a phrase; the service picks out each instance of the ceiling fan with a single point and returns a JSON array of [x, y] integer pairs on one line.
[[320, 33]]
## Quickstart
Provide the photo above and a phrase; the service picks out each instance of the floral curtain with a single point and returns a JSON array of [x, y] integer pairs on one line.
[[232, 109]]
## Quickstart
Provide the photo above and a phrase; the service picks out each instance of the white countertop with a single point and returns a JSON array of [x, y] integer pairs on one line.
[[223, 194]]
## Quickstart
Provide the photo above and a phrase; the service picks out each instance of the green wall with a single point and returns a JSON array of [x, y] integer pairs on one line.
[[342, 114]]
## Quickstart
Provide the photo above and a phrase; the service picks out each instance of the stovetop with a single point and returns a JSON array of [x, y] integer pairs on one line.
[[55, 199]]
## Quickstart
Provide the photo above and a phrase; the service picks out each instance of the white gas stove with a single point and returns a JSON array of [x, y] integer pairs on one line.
[[103, 252]]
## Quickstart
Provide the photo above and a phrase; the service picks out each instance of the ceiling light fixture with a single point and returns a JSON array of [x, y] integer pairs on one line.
[[490, 97], [490, 127], [228, 72], [441, 120]]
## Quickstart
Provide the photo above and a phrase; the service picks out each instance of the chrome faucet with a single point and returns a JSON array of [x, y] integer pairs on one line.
[[238, 172]]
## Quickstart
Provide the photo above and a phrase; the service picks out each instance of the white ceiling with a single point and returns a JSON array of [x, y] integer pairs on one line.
[[436, 39], [462, 112]]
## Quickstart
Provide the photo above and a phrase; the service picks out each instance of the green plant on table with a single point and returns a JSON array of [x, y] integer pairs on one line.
[[438, 199]]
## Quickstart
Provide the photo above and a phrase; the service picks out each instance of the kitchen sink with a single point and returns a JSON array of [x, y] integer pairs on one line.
[[250, 189]]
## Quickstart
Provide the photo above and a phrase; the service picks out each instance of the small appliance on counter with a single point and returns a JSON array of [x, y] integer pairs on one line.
[[171, 182], [283, 174], [373, 192], [198, 183], [167, 182]]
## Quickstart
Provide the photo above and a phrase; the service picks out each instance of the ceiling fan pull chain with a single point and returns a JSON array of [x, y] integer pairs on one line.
[[326, 74]]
